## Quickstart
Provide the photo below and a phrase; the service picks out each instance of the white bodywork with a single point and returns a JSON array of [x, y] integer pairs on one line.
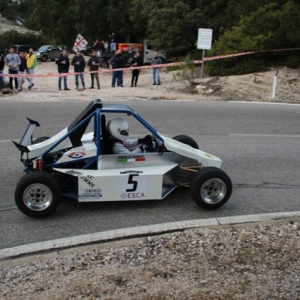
[[137, 176], [38, 149], [207, 160]]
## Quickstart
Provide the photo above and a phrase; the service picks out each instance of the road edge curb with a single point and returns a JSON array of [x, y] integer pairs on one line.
[[133, 232]]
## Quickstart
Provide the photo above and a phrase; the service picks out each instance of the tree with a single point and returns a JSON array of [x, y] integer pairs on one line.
[[54, 19], [269, 27], [170, 24]]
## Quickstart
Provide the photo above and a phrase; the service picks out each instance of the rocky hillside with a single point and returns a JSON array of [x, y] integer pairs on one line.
[[6, 25]]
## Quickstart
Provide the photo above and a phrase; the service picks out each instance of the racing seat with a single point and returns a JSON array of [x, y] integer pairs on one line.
[[107, 143]]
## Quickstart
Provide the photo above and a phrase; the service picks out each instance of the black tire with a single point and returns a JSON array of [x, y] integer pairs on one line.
[[211, 188], [186, 140], [52, 59], [40, 139], [37, 194], [44, 58]]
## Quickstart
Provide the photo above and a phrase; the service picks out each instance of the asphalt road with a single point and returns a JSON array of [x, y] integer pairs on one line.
[[258, 143]]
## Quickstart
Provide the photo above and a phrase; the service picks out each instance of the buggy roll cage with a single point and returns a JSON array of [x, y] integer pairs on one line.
[[77, 128]]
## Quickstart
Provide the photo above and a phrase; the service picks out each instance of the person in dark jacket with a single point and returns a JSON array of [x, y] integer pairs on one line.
[[117, 62], [22, 71], [79, 65], [136, 62], [2, 80], [63, 65], [113, 42], [94, 64]]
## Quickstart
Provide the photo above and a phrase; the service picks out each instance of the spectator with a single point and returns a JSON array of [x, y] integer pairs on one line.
[[31, 62], [96, 45], [113, 42], [136, 62], [22, 70], [94, 64], [117, 62], [105, 43], [2, 80], [101, 46], [63, 65], [79, 65], [155, 71], [109, 42], [12, 60]]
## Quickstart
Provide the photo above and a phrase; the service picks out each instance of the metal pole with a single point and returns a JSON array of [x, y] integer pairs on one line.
[[202, 63], [274, 84]]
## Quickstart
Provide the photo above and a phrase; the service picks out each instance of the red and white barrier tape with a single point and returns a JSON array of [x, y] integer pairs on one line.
[[144, 67]]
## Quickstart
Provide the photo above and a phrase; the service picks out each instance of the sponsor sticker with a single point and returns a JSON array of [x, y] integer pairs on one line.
[[77, 153], [126, 159], [132, 172], [89, 194], [88, 179], [74, 173], [208, 155]]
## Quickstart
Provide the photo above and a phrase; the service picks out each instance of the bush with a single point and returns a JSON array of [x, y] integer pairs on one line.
[[234, 66], [13, 37], [187, 70]]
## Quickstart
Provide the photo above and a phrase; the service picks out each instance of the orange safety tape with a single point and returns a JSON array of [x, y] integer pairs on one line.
[[144, 67]]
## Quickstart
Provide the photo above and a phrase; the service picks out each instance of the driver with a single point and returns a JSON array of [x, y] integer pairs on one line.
[[119, 131]]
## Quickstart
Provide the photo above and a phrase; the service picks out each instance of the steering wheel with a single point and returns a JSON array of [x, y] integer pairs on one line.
[[153, 145]]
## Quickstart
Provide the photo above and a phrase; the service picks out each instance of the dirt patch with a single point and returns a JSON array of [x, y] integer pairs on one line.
[[250, 87]]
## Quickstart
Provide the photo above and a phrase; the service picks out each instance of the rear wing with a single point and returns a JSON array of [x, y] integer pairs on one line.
[[22, 146]]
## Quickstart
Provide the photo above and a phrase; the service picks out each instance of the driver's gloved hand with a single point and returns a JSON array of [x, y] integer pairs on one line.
[[143, 148], [148, 143], [146, 138]]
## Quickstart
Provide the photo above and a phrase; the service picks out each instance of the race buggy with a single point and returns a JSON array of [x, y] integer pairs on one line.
[[80, 165]]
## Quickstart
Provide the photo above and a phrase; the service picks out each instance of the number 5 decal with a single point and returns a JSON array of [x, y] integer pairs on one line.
[[132, 186], [133, 182]]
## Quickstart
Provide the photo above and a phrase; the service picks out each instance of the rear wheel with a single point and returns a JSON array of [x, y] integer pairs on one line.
[[211, 188], [37, 194], [186, 140]]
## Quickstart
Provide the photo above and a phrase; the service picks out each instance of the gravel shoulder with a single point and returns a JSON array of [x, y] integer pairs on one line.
[[253, 261]]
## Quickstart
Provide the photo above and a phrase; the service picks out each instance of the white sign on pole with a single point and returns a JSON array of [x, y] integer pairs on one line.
[[204, 38]]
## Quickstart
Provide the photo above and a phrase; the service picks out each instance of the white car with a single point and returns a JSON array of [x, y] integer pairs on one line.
[[80, 166]]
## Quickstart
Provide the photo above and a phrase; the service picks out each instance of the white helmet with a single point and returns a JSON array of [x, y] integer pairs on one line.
[[118, 128]]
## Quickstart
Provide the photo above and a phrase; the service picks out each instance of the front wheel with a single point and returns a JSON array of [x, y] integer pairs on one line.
[[37, 194], [211, 188], [184, 139]]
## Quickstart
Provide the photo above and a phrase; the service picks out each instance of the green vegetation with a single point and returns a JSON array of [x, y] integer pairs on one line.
[[13, 37], [172, 25]]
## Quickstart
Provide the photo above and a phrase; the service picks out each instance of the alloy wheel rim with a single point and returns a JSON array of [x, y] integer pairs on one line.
[[213, 190], [37, 197]]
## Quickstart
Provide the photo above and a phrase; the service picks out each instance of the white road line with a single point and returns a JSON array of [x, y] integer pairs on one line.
[[7, 141], [148, 230], [164, 100], [270, 103], [265, 135]]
